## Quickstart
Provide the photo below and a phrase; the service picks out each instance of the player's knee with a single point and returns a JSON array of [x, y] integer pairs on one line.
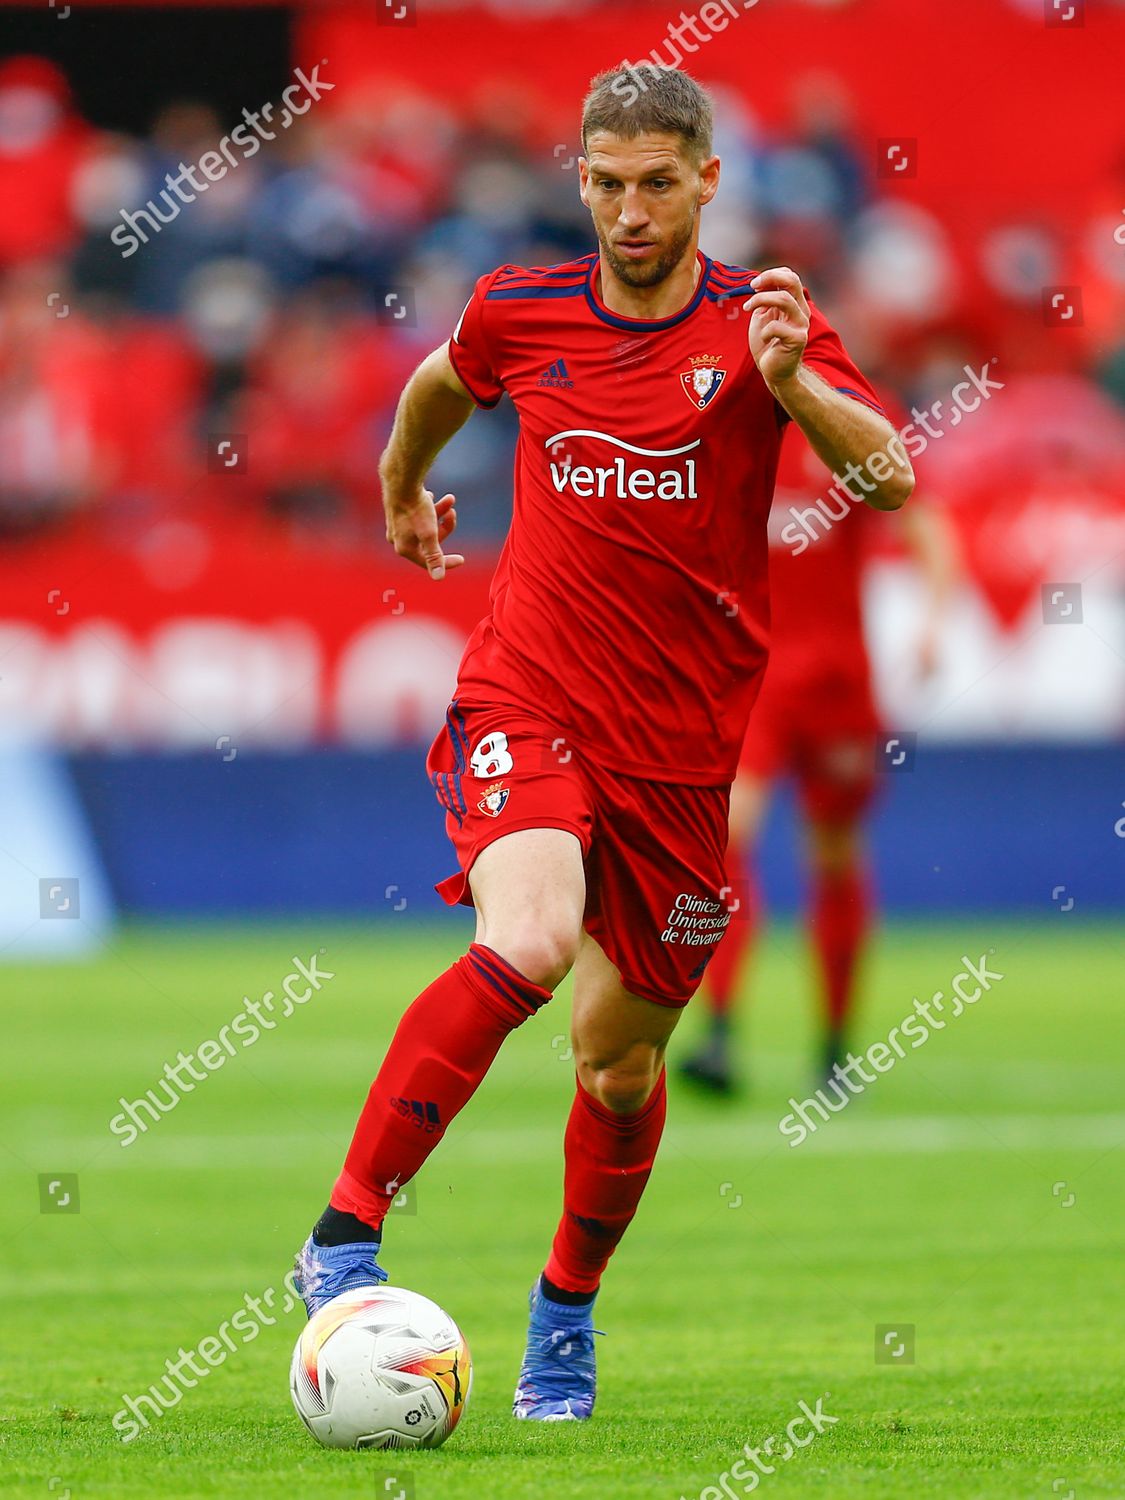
[[622, 1089], [542, 952]]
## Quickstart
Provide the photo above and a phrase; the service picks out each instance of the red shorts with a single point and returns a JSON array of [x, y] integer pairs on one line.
[[657, 901], [821, 729]]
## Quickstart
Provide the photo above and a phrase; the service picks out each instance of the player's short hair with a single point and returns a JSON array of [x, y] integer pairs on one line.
[[634, 99]]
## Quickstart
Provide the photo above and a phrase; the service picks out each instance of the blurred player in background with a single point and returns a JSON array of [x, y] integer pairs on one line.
[[816, 721]]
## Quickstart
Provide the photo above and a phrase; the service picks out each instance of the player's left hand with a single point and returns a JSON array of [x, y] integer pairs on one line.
[[779, 323]]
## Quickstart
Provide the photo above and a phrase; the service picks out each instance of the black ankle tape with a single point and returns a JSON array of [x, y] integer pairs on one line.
[[337, 1228], [555, 1293]]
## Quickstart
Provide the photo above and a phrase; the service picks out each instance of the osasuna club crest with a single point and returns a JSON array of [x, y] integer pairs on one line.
[[494, 800], [701, 383]]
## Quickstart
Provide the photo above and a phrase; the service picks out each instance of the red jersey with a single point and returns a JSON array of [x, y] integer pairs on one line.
[[630, 604], [819, 542]]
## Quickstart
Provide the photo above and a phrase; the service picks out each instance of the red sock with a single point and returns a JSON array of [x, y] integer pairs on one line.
[[443, 1047], [608, 1161], [726, 963], [841, 918]]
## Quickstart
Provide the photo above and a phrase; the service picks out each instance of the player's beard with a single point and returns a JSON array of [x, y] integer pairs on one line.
[[661, 267]]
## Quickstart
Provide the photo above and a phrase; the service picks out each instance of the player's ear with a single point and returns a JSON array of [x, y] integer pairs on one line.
[[583, 179], [708, 179]]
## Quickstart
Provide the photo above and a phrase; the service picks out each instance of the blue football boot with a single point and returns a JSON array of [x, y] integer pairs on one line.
[[558, 1378], [322, 1272]]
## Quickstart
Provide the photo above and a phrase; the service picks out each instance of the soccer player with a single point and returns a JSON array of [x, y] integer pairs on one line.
[[815, 719], [586, 760]]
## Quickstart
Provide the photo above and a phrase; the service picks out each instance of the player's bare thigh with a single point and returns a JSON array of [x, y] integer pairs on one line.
[[529, 889], [618, 1038]]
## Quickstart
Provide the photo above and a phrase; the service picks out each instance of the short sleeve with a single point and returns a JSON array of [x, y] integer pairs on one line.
[[826, 356], [469, 351]]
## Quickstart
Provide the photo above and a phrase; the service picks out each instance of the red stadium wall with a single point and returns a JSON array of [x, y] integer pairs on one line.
[[220, 640]]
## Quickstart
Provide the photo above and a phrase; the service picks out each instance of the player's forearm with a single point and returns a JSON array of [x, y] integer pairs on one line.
[[433, 406], [860, 447]]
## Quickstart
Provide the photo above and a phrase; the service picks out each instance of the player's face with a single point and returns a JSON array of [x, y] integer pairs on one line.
[[645, 195]]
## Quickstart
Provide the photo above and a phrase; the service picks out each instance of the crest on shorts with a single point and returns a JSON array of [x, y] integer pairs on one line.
[[495, 799], [701, 383]]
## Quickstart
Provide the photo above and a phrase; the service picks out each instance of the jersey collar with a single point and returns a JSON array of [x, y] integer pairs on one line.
[[646, 325]]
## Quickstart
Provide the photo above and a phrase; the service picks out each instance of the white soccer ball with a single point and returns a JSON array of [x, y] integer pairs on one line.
[[381, 1367]]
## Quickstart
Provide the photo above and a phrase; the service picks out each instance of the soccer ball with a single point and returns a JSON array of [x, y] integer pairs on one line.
[[381, 1367]]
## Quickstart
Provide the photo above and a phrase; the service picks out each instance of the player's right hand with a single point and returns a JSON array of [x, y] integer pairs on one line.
[[417, 529]]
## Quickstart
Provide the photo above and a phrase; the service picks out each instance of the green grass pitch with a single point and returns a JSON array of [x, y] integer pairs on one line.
[[974, 1192]]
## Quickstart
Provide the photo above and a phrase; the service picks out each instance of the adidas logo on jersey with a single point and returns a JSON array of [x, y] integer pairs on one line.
[[556, 375]]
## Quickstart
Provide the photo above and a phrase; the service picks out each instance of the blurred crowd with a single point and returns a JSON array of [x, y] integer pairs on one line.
[[259, 311]]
